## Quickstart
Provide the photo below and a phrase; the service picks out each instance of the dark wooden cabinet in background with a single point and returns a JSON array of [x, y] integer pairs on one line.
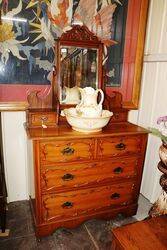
[[3, 192]]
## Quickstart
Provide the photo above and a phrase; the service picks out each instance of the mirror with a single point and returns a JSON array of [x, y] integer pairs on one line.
[[78, 70], [79, 64]]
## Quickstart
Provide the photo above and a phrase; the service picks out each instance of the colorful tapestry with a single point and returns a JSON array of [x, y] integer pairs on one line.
[[29, 29]]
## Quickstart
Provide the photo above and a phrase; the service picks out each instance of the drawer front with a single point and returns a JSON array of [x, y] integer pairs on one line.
[[43, 118], [86, 201], [79, 175], [118, 146], [66, 151]]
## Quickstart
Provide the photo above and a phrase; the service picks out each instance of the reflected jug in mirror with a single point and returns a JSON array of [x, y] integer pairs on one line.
[[88, 106], [72, 95]]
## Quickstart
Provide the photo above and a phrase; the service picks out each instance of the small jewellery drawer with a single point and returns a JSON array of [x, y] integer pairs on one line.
[[84, 174], [118, 146], [65, 151], [86, 201], [39, 119]]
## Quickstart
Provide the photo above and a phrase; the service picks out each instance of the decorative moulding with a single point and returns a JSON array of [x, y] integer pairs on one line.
[[80, 33]]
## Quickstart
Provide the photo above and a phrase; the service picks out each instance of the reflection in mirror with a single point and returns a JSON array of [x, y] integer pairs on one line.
[[78, 69]]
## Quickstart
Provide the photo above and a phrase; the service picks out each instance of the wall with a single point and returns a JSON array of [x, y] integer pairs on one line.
[[15, 155], [153, 103]]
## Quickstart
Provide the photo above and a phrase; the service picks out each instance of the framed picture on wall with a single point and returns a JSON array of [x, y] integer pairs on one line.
[[28, 33]]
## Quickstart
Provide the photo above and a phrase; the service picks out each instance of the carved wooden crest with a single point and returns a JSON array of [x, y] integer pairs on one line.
[[79, 33], [37, 102]]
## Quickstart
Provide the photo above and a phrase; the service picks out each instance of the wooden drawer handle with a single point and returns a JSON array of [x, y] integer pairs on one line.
[[67, 204], [118, 170], [68, 177], [68, 151], [115, 196], [120, 146]]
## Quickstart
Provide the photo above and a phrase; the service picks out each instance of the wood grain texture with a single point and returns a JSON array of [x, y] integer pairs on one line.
[[80, 176], [146, 235], [35, 101], [42, 117], [139, 56], [13, 106], [65, 151], [76, 203], [121, 146], [79, 34], [133, 54], [66, 132], [48, 228]]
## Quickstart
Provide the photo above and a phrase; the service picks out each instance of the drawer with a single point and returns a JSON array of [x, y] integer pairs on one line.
[[118, 146], [39, 119], [66, 151], [86, 201], [79, 175]]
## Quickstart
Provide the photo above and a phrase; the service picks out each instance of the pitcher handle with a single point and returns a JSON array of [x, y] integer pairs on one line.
[[102, 96]]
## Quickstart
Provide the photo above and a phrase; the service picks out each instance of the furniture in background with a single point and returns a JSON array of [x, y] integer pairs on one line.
[[160, 206], [3, 192], [146, 235]]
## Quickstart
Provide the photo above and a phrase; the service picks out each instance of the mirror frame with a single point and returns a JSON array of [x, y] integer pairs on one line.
[[133, 54], [78, 36]]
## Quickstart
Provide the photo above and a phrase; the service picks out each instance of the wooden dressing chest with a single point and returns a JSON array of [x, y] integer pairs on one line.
[[75, 176]]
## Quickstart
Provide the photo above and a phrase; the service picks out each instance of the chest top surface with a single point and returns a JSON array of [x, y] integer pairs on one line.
[[66, 132]]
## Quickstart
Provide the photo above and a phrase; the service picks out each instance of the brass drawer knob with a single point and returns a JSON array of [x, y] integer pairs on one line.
[[120, 146], [118, 170], [67, 177], [115, 196], [68, 151], [67, 204]]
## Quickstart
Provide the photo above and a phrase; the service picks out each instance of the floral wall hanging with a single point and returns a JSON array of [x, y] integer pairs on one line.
[[28, 29]]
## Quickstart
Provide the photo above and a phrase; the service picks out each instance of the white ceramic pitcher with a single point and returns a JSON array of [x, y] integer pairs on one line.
[[88, 106]]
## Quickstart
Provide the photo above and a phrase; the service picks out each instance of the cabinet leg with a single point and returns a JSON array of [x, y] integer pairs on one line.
[[3, 215]]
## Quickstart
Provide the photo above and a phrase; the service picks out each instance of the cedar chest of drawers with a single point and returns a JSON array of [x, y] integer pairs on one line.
[[74, 177]]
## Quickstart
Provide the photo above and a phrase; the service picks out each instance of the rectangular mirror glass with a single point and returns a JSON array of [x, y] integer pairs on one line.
[[78, 69]]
